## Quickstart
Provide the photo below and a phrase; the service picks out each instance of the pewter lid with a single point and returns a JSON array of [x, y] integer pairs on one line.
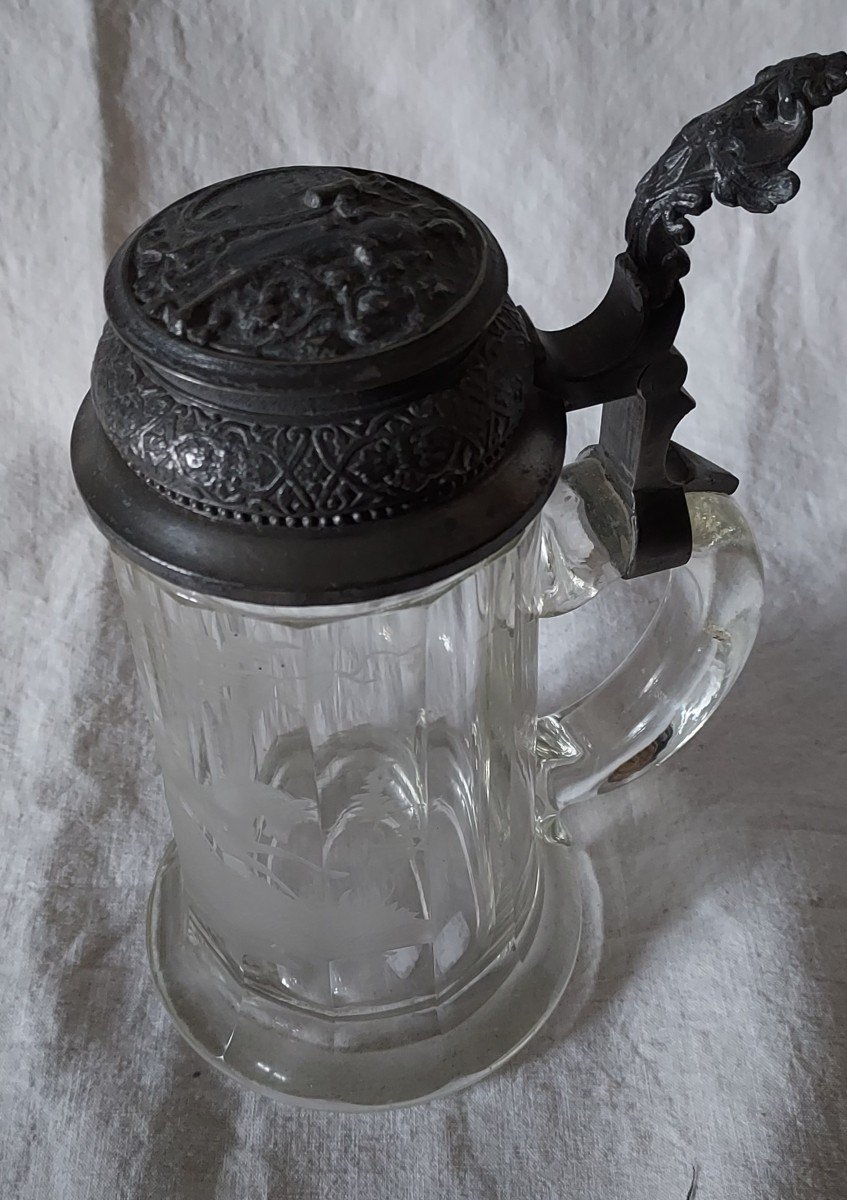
[[313, 388]]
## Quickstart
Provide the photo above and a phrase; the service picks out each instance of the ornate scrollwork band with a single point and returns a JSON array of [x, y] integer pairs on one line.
[[330, 472]]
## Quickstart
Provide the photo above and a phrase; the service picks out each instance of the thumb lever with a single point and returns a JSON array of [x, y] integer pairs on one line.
[[622, 355]]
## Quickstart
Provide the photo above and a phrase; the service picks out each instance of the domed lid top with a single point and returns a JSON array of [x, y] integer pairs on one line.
[[329, 278]]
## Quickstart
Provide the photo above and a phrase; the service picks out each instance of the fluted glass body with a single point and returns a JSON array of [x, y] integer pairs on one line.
[[351, 789], [370, 899]]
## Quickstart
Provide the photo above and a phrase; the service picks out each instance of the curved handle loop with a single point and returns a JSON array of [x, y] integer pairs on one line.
[[682, 667], [646, 504]]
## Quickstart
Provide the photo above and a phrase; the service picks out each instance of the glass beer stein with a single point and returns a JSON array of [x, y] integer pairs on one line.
[[327, 450]]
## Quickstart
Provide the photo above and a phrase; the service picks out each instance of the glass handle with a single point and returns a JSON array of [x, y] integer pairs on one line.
[[683, 665]]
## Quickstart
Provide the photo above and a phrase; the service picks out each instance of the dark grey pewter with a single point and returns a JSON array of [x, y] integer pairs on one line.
[[313, 387]]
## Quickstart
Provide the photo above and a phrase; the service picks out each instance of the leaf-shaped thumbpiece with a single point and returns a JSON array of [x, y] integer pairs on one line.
[[737, 153]]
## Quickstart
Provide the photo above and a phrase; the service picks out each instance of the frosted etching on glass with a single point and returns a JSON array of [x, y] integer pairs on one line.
[[363, 774]]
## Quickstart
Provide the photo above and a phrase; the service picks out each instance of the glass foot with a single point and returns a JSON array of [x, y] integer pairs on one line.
[[353, 1063]]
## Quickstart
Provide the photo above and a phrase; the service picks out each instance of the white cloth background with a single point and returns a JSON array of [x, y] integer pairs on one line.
[[707, 1023]]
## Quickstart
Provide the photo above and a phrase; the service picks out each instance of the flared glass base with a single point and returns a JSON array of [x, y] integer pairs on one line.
[[382, 1060]]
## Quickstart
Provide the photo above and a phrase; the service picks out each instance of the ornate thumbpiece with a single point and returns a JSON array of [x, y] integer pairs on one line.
[[739, 154]]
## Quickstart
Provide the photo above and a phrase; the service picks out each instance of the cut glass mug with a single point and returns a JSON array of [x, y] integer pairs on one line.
[[327, 451]]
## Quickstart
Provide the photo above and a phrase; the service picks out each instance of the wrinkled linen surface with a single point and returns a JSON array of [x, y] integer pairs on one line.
[[706, 1024]]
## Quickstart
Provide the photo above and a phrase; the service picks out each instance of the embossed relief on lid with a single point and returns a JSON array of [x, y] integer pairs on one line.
[[326, 278], [305, 264]]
